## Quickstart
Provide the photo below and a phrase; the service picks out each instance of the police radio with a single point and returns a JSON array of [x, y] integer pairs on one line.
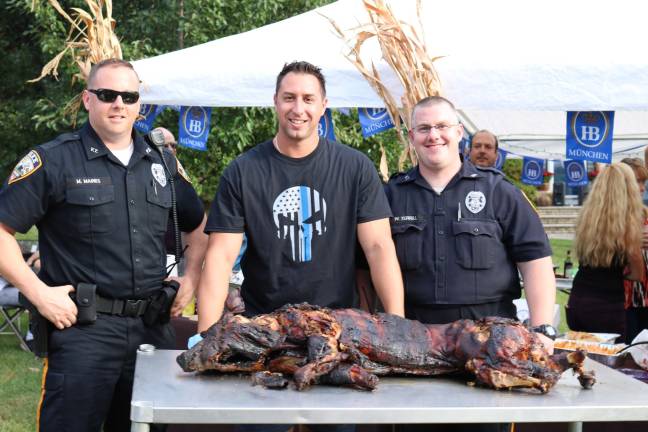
[[156, 139]]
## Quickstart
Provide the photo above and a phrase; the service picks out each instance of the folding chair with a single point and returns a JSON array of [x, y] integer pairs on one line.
[[11, 311]]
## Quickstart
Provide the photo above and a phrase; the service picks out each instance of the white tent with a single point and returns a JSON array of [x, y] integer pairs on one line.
[[513, 67]]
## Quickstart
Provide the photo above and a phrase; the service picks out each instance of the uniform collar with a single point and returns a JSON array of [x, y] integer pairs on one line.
[[95, 148], [467, 170]]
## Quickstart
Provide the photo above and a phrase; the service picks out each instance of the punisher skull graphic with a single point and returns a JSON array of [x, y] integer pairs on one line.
[[299, 213]]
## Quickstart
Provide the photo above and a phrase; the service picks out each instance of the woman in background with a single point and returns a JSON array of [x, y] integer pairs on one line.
[[608, 247], [636, 292]]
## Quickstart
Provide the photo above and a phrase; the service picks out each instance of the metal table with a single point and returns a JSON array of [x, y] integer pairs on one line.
[[163, 393]]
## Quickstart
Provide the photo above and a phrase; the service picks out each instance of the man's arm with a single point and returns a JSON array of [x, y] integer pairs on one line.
[[196, 242], [52, 302], [540, 291], [222, 250], [378, 246]]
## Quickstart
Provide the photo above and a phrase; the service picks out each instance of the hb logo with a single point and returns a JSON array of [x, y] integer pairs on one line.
[[375, 113], [590, 128], [146, 109], [533, 170], [194, 122]]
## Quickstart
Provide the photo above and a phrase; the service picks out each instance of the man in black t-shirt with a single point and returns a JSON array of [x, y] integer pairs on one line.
[[302, 201]]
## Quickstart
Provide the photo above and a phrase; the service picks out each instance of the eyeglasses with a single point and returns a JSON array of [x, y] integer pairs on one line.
[[426, 129], [109, 96], [171, 145]]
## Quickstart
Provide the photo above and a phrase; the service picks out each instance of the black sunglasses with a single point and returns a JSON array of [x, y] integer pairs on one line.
[[107, 95]]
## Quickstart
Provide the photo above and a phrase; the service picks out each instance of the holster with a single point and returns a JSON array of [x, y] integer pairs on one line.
[[159, 309], [86, 300]]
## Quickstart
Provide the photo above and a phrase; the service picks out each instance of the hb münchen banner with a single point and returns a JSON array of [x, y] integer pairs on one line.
[[589, 135], [147, 115], [325, 126], [374, 120], [501, 158], [193, 128], [532, 171], [575, 173]]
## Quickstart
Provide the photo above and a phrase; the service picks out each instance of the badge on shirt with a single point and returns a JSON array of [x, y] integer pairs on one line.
[[158, 174], [475, 201], [26, 167], [182, 171]]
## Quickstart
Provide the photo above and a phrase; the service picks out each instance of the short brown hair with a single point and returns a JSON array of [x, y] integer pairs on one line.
[[112, 62], [301, 67], [431, 101]]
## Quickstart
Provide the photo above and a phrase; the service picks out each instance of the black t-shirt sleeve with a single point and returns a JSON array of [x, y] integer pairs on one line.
[[523, 233], [226, 213], [25, 195], [190, 208], [372, 202]]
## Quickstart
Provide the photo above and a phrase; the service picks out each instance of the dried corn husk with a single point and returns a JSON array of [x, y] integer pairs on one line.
[[91, 39], [403, 48]]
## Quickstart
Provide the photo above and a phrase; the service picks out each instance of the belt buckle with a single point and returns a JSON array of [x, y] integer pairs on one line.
[[131, 307]]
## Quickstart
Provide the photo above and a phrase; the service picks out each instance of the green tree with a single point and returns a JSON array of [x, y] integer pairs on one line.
[[34, 113]]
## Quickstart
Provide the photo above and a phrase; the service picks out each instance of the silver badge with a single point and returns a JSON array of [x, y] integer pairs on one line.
[[158, 174], [475, 201]]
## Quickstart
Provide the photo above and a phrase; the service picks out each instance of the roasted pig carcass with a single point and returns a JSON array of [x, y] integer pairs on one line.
[[352, 347]]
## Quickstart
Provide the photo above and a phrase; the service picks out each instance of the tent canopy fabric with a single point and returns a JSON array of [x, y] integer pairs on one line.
[[511, 67]]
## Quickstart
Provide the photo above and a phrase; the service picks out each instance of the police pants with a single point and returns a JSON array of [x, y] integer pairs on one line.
[[88, 374], [443, 314]]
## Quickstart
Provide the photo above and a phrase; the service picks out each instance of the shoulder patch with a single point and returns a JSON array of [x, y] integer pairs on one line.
[[26, 167], [182, 171]]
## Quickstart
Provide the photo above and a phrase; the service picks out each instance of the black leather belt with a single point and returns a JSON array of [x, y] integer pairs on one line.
[[127, 307]]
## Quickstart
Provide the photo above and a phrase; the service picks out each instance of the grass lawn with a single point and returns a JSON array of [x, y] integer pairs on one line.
[[20, 372], [20, 377]]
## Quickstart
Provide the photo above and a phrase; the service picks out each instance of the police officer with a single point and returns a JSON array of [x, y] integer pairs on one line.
[[462, 233], [100, 198]]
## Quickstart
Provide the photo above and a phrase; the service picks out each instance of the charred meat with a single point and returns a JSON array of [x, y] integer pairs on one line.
[[351, 347]]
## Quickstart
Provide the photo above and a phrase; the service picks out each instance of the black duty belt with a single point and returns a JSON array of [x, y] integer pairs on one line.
[[127, 307]]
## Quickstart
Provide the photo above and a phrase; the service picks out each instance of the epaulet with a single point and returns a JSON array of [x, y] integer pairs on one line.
[[71, 136], [489, 169], [401, 177]]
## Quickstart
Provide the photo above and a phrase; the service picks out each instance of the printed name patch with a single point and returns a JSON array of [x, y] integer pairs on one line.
[[26, 167], [88, 181]]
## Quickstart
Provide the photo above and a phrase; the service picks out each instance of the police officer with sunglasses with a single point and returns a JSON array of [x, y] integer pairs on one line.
[[101, 199]]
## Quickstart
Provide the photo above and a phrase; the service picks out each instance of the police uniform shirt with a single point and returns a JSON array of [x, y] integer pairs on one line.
[[99, 221], [461, 246]]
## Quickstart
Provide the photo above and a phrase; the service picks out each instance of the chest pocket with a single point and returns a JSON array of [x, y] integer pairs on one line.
[[159, 204], [91, 208], [408, 239], [475, 242]]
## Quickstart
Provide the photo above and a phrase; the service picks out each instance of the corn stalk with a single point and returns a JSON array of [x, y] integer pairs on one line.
[[403, 48], [91, 39]]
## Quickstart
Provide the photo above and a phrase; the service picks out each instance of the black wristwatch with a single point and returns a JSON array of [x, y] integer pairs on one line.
[[546, 329]]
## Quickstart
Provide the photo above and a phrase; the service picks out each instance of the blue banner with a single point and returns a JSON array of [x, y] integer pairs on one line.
[[193, 128], [589, 135], [532, 171], [464, 145], [575, 173], [501, 158], [325, 126], [148, 113], [374, 120]]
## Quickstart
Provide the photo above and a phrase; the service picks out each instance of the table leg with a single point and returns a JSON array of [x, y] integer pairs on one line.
[[140, 427], [575, 427]]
